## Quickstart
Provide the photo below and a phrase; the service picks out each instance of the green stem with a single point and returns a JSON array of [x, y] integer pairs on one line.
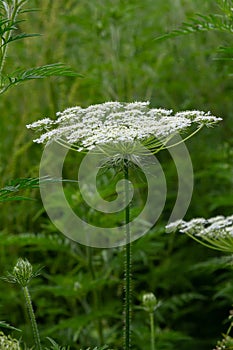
[[11, 16], [152, 331], [5, 39], [32, 318], [127, 306]]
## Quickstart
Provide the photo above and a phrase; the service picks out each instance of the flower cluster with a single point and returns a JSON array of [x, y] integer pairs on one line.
[[7, 343], [115, 123], [213, 227], [216, 232], [225, 343]]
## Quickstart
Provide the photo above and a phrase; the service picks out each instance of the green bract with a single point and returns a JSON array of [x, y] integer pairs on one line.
[[22, 273]]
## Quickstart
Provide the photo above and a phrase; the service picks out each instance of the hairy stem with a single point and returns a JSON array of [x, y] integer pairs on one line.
[[152, 331], [32, 318], [127, 306]]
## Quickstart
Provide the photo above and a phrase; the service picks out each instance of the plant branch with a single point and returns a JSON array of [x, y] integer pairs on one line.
[[152, 331], [11, 15], [32, 318]]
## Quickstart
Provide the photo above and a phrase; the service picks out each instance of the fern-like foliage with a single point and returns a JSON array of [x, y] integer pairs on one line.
[[177, 302], [21, 75], [199, 23], [13, 190], [105, 347], [6, 26], [221, 22], [9, 24], [213, 264], [55, 346]]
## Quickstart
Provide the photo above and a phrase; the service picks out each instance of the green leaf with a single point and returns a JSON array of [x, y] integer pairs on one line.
[[49, 70], [74, 323], [105, 347], [7, 25], [55, 346], [3, 324], [21, 36], [38, 242], [179, 301], [200, 23], [214, 264], [55, 69], [8, 193]]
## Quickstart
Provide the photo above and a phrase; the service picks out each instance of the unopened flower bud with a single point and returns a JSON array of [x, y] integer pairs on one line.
[[77, 286], [150, 302], [23, 272]]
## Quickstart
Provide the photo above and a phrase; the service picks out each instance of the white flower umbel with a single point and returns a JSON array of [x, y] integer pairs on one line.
[[216, 232], [118, 124]]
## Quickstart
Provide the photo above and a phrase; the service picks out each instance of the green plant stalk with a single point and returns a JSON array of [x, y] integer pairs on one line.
[[6, 38], [229, 328], [152, 331], [127, 305], [32, 318]]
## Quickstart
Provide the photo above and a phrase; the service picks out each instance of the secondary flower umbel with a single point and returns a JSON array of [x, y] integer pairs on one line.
[[112, 123], [216, 232]]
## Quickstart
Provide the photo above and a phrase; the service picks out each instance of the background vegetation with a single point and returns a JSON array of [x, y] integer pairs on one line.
[[78, 296]]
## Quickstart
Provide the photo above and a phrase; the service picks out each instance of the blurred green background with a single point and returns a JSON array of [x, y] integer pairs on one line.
[[78, 298]]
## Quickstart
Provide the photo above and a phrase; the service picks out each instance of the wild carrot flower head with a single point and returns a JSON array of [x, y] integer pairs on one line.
[[216, 232], [117, 123]]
